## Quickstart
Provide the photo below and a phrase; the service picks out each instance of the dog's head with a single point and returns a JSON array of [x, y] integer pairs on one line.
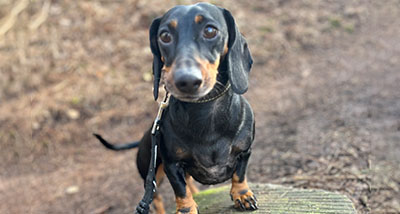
[[194, 44]]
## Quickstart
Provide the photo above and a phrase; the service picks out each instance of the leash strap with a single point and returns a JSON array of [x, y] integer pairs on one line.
[[150, 183]]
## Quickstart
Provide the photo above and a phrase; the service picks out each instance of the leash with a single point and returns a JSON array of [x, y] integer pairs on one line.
[[150, 184]]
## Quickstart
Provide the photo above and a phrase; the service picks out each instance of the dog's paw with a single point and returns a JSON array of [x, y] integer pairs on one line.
[[244, 199], [188, 210], [186, 205]]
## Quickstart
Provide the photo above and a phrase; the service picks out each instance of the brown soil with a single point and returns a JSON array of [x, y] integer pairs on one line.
[[324, 88]]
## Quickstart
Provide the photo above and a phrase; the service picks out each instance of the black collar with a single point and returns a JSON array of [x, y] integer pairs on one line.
[[218, 91]]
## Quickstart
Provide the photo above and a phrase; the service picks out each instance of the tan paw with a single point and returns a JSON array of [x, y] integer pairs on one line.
[[187, 210], [186, 205], [244, 199]]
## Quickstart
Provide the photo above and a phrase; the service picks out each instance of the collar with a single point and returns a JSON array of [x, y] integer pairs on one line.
[[218, 91]]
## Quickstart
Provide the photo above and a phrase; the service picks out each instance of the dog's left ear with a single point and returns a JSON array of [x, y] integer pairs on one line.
[[157, 62], [238, 58]]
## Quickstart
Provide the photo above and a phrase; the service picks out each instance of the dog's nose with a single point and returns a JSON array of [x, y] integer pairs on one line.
[[187, 82]]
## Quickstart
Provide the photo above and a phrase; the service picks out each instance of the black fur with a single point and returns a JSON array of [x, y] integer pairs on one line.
[[239, 58], [157, 62]]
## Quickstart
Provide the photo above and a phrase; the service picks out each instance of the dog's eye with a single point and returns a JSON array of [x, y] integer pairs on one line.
[[165, 37], [210, 32]]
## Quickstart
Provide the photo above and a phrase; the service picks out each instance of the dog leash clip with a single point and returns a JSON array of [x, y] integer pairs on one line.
[[163, 106]]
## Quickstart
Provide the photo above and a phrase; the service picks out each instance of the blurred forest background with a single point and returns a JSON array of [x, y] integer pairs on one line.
[[324, 88]]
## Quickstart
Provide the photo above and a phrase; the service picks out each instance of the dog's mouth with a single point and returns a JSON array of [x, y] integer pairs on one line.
[[187, 97], [208, 94], [192, 82]]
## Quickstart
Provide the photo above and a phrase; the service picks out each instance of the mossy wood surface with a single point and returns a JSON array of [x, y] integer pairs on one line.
[[275, 199]]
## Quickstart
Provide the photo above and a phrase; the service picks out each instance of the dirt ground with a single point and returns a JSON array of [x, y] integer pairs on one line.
[[324, 88]]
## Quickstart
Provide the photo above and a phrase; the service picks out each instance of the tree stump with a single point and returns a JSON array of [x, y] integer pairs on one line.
[[275, 199]]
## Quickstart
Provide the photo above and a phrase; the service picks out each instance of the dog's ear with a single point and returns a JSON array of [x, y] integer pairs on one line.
[[157, 62], [238, 58]]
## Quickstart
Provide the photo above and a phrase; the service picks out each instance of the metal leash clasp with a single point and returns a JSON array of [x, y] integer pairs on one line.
[[163, 105], [150, 183]]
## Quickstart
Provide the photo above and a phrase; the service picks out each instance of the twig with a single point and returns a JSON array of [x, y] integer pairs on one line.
[[42, 16], [101, 210], [12, 17]]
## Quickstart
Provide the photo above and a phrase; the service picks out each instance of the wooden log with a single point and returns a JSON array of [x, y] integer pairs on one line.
[[275, 199]]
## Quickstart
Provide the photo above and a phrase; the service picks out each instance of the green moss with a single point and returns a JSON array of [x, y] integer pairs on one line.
[[349, 28], [335, 22], [211, 191], [266, 29], [75, 100]]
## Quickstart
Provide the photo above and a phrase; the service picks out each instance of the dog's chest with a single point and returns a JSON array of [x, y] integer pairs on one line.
[[211, 164], [212, 155]]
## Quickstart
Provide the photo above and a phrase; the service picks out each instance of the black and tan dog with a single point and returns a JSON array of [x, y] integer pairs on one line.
[[208, 128]]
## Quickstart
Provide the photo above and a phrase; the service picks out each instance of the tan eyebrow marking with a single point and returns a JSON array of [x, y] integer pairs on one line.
[[173, 24], [198, 19], [226, 49]]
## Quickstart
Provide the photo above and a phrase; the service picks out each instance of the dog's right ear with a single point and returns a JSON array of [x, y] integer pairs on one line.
[[157, 62]]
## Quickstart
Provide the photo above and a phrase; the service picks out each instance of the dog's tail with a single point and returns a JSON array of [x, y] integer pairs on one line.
[[116, 147]]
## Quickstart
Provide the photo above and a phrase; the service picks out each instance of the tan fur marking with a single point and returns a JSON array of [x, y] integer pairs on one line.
[[192, 186], [226, 49], [181, 153], [160, 174], [158, 203], [198, 19], [166, 68], [157, 199], [173, 24], [209, 71], [167, 74], [186, 202], [240, 191], [238, 186]]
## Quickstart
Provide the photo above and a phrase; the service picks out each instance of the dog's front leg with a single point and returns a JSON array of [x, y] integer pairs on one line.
[[241, 194], [184, 200]]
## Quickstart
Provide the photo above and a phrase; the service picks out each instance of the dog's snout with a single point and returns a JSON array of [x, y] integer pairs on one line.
[[188, 81]]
